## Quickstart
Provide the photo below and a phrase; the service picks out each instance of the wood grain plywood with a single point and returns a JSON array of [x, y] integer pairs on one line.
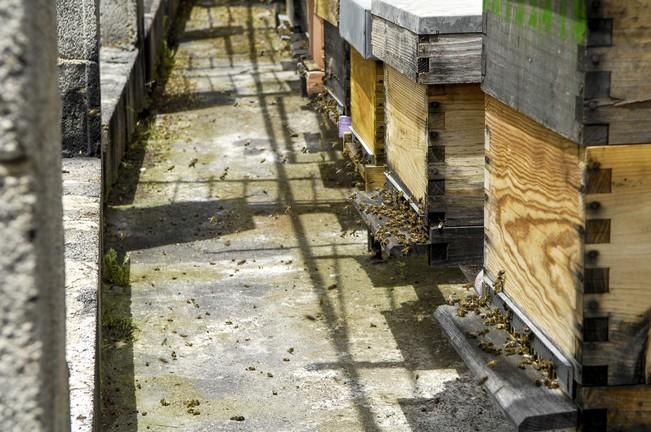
[[328, 10], [627, 108], [367, 101], [628, 407], [407, 135], [462, 135], [532, 219], [627, 255], [395, 46]]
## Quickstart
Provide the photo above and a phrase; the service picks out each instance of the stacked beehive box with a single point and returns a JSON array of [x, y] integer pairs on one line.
[[434, 113], [568, 185], [315, 65], [337, 61], [366, 144]]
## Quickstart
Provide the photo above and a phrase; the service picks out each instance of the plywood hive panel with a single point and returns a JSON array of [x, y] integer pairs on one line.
[[337, 65], [534, 209], [456, 133], [407, 135], [590, 57], [328, 10], [367, 101], [570, 227], [618, 246]]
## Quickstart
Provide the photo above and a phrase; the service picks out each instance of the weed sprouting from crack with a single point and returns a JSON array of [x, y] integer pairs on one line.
[[116, 272]]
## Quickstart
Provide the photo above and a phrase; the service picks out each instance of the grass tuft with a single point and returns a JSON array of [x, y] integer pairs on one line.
[[116, 273]]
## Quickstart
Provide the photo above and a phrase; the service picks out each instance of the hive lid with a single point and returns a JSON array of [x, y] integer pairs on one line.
[[355, 25], [432, 16]]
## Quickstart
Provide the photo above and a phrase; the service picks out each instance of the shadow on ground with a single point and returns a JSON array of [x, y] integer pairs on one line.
[[418, 338]]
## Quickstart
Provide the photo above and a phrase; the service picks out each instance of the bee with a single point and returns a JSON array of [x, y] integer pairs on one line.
[[551, 384], [498, 287]]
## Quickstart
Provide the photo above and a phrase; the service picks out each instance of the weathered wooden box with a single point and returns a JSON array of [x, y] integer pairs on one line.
[[337, 66], [434, 122], [315, 35], [430, 42], [328, 10], [569, 228], [435, 155], [366, 146], [568, 190], [367, 103], [590, 58]]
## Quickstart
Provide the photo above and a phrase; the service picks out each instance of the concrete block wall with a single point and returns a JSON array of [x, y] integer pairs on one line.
[[79, 75], [128, 72], [122, 23], [33, 371]]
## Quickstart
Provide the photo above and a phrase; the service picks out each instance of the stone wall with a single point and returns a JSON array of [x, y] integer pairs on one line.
[[33, 371]]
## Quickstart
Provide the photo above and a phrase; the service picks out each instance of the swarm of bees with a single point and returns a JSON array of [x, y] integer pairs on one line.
[[517, 343], [398, 220], [324, 103], [354, 154]]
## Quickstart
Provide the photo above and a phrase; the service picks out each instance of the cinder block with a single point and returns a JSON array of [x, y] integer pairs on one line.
[[80, 93], [78, 29], [122, 23]]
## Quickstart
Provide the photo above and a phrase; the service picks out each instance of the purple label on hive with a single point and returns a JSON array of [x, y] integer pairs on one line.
[[344, 125]]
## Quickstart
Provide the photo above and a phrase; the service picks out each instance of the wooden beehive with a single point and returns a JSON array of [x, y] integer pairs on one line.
[[430, 42], [434, 115], [570, 227], [328, 10], [337, 66], [367, 102], [315, 33], [366, 147], [590, 58], [435, 154], [568, 211]]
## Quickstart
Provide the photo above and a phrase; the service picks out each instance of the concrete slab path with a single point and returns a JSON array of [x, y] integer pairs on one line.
[[253, 304]]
